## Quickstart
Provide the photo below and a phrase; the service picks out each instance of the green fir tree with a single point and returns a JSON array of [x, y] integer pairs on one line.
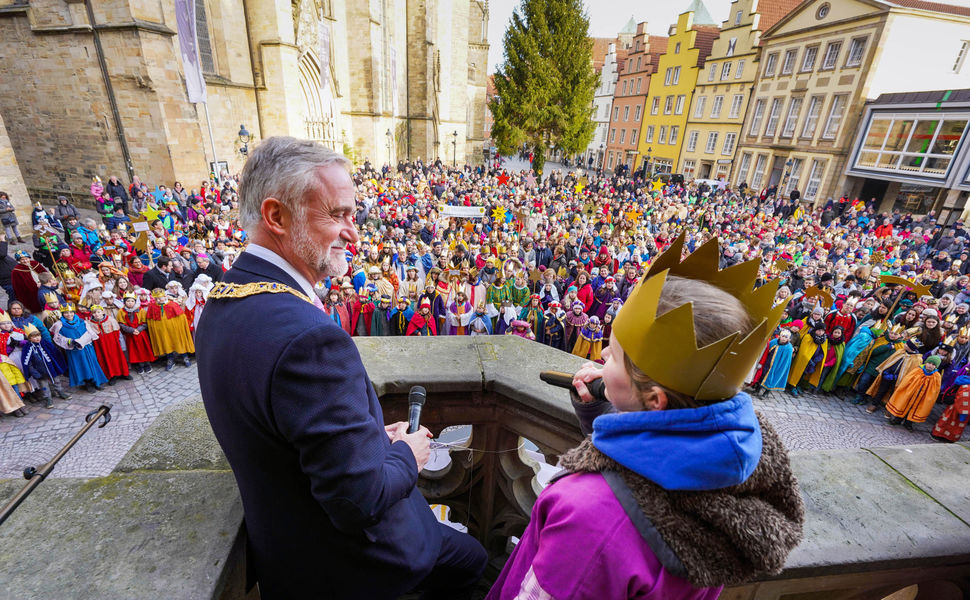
[[546, 85]]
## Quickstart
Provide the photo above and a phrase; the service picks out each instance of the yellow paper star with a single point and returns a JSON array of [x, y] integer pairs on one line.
[[579, 188], [150, 213], [499, 213]]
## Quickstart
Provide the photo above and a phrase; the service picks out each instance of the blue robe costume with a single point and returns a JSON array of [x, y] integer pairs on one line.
[[777, 365], [42, 361], [82, 363], [478, 322], [856, 346]]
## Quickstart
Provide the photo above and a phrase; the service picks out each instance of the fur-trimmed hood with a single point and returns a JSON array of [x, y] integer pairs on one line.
[[715, 537]]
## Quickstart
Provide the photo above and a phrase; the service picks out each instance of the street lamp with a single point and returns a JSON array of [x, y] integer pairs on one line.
[[390, 138], [788, 165], [646, 162], [454, 148], [601, 156], [244, 138]]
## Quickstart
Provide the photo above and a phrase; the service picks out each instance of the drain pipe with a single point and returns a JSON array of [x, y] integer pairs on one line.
[[110, 91], [252, 68]]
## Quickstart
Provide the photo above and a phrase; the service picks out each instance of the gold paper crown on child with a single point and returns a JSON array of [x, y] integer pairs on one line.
[[665, 347], [30, 330]]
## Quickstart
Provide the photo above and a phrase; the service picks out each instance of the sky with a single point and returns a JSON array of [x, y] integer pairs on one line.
[[659, 14]]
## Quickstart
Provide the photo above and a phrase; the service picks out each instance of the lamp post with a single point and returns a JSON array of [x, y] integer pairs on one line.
[[390, 139], [646, 162], [601, 156], [454, 148], [244, 137], [788, 165]]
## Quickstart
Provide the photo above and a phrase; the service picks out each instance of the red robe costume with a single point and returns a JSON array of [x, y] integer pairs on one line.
[[108, 347], [25, 284], [954, 419], [139, 345], [847, 322], [80, 258], [357, 310], [421, 325]]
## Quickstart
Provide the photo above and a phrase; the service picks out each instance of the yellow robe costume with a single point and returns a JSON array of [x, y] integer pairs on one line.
[[910, 362], [915, 395], [169, 335], [587, 348], [805, 353]]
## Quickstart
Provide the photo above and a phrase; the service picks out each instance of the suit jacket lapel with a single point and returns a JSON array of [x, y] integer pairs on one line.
[[263, 270]]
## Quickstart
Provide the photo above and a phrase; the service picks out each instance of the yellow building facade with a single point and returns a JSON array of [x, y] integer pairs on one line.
[[671, 87], [723, 86]]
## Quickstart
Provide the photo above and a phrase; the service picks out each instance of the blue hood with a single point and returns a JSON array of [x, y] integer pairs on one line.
[[706, 448]]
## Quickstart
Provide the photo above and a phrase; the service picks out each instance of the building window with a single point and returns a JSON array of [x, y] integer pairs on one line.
[[759, 113], [677, 48], [624, 87], [856, 49], [725, 71], [808, 61], [668, 75], [918, 144], [814, 179], [656, 105], [961, 56], [623, 136], [831, 55], [712, 72], [688, 168], [759, 171], [662, 138], [616, 113], [729, 139], [202, 33], [609, 162], [626, 113], [716, 107], [679, 110], [676, 75], [835, 117], [633, 136], [773, 115], [740, 70], [794, 108], [737, 18], [699, 107], [789, 62], [711, 142], [692, 141], [769, 64], [743, 168], [636, 113], [736, 106], [639, 81], [796, 173], [612, 135], [732, 44], [649, 136], [668, 105], [674, 133], [811, 119], [638, 62]]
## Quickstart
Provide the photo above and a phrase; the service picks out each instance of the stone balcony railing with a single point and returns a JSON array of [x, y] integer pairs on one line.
[[166, 522]]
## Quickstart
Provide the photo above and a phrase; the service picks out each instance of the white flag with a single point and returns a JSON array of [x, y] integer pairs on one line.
[[324, 52], [189, 48]]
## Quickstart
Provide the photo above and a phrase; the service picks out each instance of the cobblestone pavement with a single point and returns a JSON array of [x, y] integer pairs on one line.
[[34, 439]]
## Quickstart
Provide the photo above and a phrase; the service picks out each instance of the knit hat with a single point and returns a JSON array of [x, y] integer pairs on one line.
[[934, 360]]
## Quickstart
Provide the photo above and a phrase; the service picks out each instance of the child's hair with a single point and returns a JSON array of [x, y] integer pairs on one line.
[[717, 315], [45, 277]]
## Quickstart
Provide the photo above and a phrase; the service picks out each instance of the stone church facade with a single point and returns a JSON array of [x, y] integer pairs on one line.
[[97, 87]]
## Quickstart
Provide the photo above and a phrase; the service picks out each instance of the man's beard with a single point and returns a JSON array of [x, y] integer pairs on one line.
[[316, 256]]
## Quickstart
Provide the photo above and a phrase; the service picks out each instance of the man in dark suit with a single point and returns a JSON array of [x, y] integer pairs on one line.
[[159, 275], [329, 494]]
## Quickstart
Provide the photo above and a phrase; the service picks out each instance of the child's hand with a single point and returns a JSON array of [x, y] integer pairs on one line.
[[589, 372]]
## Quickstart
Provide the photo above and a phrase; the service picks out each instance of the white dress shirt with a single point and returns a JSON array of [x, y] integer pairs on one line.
[[278, 261]]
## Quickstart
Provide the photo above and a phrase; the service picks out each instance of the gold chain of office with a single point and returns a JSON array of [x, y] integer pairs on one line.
[[235, 290]]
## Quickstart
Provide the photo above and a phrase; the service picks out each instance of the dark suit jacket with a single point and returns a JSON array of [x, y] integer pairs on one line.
[[331, 506], [156, 278]]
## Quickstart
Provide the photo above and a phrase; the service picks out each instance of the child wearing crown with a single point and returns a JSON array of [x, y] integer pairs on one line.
[[42, 363], [132, 322], [108, 345], [642, 505], [75, 336]]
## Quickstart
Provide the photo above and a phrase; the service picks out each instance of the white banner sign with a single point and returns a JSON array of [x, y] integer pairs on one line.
[[324, 52], [464, 212], [189, 49]]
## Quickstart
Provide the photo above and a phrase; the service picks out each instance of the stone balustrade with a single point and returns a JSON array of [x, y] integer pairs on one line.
[[166, 522]]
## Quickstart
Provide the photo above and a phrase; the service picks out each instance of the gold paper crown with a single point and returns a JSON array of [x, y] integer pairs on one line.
[[665, 347], [964, 331]]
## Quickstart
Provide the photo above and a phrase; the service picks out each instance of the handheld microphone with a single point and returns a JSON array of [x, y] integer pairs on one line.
[[416, 398], [564, 380]]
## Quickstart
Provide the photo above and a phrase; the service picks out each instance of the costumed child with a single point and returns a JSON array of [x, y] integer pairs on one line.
[[168, 330], [914, 397], [554, 328], [589, 344], [678, 441], [892, 370], [533, 315], [361, 311], [575, 320], [954, 419], [195, 303], [75, 336], [42, 363], [506, 314], [132, 322], [107, 345], [401, 317], [807, 364], [11, 404], [25, 278], [380, 321], [777, 364], [833, 359], [521, 329], [889, 342], [423, 322], [481, 322], [459, 314], [10, 340]]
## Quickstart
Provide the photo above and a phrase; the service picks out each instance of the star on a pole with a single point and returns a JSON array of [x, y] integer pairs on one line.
[[503, 179]]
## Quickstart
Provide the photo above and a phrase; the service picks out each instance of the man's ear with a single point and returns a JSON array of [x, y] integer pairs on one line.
[[276, 216]]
